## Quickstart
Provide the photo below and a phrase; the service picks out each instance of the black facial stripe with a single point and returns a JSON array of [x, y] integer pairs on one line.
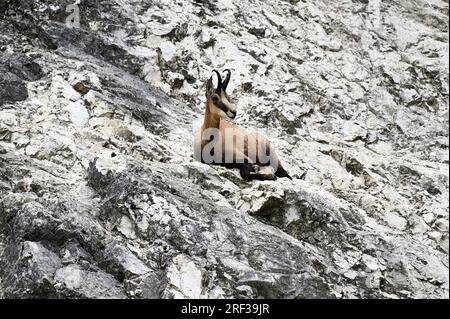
[[221, 105]]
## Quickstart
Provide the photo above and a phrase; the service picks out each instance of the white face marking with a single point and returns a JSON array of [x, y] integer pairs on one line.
[[221, 113], [231, 115]]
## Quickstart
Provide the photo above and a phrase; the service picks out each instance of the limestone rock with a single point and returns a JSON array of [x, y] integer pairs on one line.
[[100, 196]]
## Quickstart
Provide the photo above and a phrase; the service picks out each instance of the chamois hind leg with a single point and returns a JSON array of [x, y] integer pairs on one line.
[[281, 172], [276, 165]]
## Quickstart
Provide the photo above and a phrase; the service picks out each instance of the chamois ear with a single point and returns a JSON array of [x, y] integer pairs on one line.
[[209, 87]]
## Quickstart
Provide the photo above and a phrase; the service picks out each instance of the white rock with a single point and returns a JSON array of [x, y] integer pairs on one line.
[[370, 262], [441, 224], [186, 278], [409, 95], [394, 220], [64, 89], [70, 276], [340, 261], [418, 225], [126, 227], [351, 274], [161, 29], [168, 51], [428, 218], [78, 113], [351, 131], [435, 235], [20, 140], [291, 215]]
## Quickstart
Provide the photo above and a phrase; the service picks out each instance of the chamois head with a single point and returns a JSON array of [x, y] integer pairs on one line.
[[217, 99]]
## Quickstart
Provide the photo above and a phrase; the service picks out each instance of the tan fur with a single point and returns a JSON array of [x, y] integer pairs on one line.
[[214, 119]]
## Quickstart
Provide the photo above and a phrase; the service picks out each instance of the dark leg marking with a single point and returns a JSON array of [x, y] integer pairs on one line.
[[281, 172], [249, 173], [246, 171]]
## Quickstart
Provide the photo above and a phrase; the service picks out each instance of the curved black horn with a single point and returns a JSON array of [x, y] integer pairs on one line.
[[227, 79], [219, 80]]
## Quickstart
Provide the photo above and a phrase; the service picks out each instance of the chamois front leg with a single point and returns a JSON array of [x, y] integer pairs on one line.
[[251, 171], [248, 169]]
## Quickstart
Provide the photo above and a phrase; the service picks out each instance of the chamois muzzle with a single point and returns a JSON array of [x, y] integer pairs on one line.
[[231, 114]]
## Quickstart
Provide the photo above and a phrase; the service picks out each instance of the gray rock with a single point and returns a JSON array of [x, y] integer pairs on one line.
[[99, 193], [73, 281], [22, 66], [31, 274], [12, 88]]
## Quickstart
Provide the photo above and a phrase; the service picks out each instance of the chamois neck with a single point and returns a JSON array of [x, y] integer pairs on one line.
[[210, 121]]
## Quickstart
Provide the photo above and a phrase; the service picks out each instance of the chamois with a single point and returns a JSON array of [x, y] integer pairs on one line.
[[220, 138]]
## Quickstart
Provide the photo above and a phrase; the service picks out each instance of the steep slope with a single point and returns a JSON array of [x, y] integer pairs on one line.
[[99, 193]]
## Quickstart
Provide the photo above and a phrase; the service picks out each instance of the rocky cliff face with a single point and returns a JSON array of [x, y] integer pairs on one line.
[[99, 193]]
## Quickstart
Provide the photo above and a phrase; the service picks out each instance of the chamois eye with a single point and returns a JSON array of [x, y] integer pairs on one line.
[[215, 98]]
